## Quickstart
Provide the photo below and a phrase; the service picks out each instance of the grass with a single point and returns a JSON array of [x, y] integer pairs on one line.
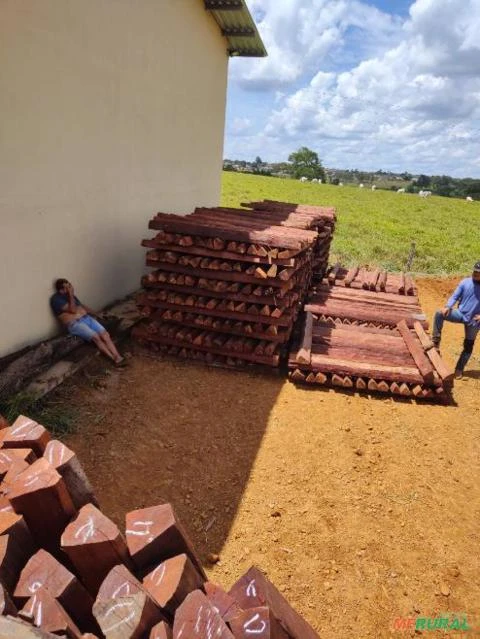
[[378, 228], [55, 415]]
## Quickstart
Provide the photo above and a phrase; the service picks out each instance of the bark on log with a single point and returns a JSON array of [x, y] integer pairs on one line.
[[155, 534], [171, 582], [94, 545]]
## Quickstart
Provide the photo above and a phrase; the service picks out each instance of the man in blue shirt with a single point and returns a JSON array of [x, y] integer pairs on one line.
[[467, 295], [78, 320]]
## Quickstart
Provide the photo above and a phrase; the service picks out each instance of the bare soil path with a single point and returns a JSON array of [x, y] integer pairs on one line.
[[361, 509]]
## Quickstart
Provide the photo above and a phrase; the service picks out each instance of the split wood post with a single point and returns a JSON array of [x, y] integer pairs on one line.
[[3, 422], [254, 590], [172, 581], [16, 547], [94, 545], [446, 375], [332, 276], [40, 495], [197, 618], [14, 628], [25, 433], [161, 631], [47, 613], [9, 455], [155, 534], [258, 622], [17, 467], [416, 351], [44, 571], [304, 354], [382, 281], [225, 604], [7, 607], [130, 617], [67, 464], [351, 275]]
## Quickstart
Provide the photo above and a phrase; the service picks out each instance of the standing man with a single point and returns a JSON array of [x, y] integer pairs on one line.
[[467, 294], [77, 318]]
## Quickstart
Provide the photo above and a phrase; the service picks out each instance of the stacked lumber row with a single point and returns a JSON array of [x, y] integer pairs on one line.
[[66, 569], [371, 280], [340, 305], [319, 218], [228, 285], [398, 361]]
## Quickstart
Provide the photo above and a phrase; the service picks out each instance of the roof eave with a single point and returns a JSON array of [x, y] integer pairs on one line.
[[238, 27]]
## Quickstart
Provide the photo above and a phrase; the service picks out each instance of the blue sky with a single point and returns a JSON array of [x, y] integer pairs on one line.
[[383, 84]]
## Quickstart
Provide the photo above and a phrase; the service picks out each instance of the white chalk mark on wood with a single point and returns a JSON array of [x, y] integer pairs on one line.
[[141, 533], [162, 569], [117, 624], [35, 586], [19, 429], [125, 586], [87, 530], [253, 621], [251, 591]]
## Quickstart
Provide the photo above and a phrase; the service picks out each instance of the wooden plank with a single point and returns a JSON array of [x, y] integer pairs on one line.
[[94, 545], [423, 363], [304, 353]]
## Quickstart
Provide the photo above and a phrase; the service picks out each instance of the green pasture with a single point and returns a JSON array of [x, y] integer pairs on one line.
[[378, 228]]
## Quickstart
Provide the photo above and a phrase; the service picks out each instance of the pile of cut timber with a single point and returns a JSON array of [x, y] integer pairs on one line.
[[397, 360], [337, 304], [228, 284], [371, 280], [67, 570], [319, 218]]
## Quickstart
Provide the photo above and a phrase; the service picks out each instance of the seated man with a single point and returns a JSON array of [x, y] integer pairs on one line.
[[467, 294], [79, 321]]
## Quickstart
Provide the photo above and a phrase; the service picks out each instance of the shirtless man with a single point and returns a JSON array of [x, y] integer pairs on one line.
[[77, 318]]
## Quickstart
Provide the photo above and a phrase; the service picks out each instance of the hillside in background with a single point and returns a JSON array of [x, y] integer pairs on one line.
[[378, 228]]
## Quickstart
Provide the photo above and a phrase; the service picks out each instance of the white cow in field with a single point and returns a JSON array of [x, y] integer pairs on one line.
[[401, 191], [303, 179], [360, 186], [374, 188], [469, 199], [424, 193], [340, 184], [314, 181]]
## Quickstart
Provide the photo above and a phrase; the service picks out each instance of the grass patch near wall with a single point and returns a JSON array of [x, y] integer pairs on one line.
[[377, 228]]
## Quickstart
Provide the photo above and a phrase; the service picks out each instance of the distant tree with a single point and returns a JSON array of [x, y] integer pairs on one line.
[[335, 180], [423, 181], [305, 163]]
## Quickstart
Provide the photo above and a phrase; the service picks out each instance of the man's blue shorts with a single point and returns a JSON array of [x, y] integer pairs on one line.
[[86, 328]]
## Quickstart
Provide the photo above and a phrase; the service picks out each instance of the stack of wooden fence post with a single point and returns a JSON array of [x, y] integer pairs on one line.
[[321, 218], [67, 570], [228, 284], [368, 337]]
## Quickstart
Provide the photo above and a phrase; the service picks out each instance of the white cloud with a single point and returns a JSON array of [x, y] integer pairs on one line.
[[412, 104], [240, 126]]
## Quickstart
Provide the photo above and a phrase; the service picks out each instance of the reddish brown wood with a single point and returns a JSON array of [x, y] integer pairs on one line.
[[254, 590], [43, 571], [382, 281], [94, 545], [321, 378], [304, 353], [423, 363], [17, 467], [40, 495], [129, 617], [409, 285], [225, 604], [350, 276], [9, 455], [257, 622], [196, 618], [3, 422], [14, 628], [49, 614], [172, 581], [7, 607], [67, 464], [405, 390], [360, 384], [445, 373], [401, 285], [161, 631], [120, 582], [25, 433], [155, 534], [297, 376], [374, 275], [337, 380]]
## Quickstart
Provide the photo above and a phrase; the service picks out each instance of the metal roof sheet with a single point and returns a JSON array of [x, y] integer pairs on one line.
[[238, 27]]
